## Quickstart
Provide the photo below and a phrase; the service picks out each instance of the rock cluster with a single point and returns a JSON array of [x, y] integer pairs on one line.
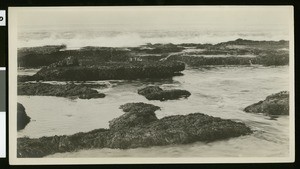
[[275, 104], [156, 93], [138, 127]]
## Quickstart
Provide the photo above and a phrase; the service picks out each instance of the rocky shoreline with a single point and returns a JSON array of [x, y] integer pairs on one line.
[[238, 52], [138, 127]]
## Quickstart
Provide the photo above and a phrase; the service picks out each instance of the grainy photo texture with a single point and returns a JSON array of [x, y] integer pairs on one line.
[[151, 84]]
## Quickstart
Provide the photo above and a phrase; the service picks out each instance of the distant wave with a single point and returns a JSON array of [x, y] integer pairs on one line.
[[78, 39]]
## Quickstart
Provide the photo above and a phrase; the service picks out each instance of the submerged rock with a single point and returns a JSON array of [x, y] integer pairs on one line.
[[22, 118], [156, 93], [138, 127], [275, 104], [81, 91]]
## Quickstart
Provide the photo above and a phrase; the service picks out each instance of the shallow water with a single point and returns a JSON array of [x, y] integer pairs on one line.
[[216, 91]]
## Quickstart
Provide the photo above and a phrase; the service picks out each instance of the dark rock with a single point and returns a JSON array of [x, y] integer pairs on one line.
[[22, 118], [149, 90], [35, 57], [267, 52], [179, 129], [156, 93], [25, 78], [40, 147], [91, 95], [69, 61], [69, 90], [275, 104], [110, 71], [132, 130], [136, 114]]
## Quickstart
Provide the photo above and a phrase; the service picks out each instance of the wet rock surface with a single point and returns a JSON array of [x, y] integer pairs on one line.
[[156, 93], [22, 118], [81, 91], [110, 71], [138, 127], [275, 104]]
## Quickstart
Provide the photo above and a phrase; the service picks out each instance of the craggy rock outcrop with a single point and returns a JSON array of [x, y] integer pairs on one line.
[[156, 93], [136, 114], [110, 71], [138, 127], [81, 91], [275, 104], [22, 118]]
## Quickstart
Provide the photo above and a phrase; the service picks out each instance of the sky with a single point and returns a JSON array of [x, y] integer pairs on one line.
[[168, 17]]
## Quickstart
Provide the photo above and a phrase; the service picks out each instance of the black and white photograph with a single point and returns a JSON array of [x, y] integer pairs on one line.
[[151, 84]]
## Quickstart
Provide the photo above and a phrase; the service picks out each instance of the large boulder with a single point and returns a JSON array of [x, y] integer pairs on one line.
[[22, 118], [275, 104], [156, 93], [138, 127]]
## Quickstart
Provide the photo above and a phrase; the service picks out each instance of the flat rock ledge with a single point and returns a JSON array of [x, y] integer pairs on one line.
[[22, 118], [138, 127], [157, 93], [275, 104], [81, 91], [109, 71]]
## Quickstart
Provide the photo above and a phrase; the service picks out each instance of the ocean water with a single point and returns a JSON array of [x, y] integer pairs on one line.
[[216, 91], [75, 36]]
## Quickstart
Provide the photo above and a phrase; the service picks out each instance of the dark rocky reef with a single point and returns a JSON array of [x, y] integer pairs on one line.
[[22, 118], [110, 71], [256, 44], [81, 91], [196, 61], [156, 93], [275, 104], [34, 57], [138, 127], [157, 48], [266, 53]]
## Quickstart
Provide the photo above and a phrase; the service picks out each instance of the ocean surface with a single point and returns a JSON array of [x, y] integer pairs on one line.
[[221, 91], [118, 35]]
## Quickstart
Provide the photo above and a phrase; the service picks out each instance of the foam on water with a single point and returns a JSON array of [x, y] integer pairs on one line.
[[75, 37]]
